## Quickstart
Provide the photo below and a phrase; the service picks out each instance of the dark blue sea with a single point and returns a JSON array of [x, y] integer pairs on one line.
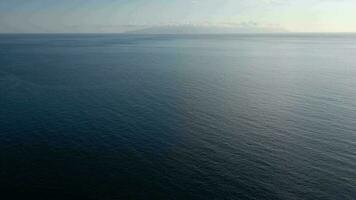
[[252, 117]]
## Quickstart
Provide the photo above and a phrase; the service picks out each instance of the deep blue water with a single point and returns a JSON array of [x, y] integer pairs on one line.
[[178, 117]]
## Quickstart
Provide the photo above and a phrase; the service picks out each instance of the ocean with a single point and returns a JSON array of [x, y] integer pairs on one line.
[[114, 116]]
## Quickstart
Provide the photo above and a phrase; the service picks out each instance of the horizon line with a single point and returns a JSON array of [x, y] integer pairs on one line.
[[130, 33]]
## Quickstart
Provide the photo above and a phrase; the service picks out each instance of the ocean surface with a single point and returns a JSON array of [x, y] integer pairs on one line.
[[178, 117]]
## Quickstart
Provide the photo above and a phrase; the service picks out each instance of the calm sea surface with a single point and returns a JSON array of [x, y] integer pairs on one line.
[[178, 117]]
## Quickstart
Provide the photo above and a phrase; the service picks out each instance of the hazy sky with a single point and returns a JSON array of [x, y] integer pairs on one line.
[[121, 15]]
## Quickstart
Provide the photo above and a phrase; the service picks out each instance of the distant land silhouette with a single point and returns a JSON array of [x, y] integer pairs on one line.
[[191, 29]]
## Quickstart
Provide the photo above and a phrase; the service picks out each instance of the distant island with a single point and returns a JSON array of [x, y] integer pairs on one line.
[[191, 29]]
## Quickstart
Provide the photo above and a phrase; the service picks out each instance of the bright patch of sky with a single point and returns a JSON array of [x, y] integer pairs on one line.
[[122, 15]]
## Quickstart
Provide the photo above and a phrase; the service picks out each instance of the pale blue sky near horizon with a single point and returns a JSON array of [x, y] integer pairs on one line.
[[22, 16]]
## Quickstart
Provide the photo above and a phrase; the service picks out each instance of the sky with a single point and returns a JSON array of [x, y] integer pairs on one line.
[[32, 16]]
